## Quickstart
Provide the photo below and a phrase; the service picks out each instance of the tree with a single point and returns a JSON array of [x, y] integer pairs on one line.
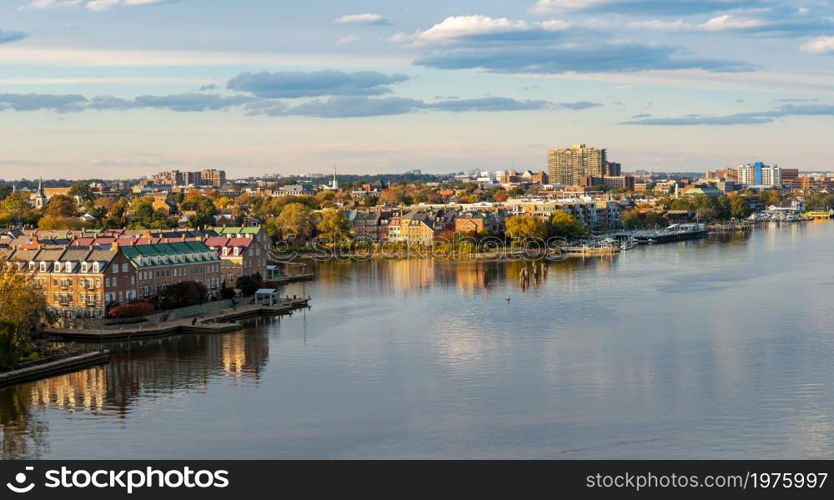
[[81, 191], [739, 208], [248, 284], [183, 294], [520, 227], [295, 220], [15, 209], [565, 224], [23, 308], [60, 206], [333, 225]]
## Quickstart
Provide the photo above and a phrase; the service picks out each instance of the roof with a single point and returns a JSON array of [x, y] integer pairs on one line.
[[166, 249]]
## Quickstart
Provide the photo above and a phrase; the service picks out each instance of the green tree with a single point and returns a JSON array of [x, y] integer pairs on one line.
[[739, 208], [81, 191]]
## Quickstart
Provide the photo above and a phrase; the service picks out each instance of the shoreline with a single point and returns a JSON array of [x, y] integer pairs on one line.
[[69, 364]]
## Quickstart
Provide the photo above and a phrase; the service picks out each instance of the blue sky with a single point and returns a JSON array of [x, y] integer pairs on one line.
[[120, 88]]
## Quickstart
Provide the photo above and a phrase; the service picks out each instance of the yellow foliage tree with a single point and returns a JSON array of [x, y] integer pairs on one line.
[[24, 306]]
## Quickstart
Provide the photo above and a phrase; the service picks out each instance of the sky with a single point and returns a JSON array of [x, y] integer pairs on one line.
[[123, 88]]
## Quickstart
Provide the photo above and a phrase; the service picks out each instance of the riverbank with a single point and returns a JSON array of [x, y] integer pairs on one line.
[[222, 321], [49, 368]]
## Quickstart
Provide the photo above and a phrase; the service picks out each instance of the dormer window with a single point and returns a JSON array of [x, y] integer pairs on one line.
[[225, 250], [96, 267], [237, 251], [85, 267], [43, 267], [57, 267]]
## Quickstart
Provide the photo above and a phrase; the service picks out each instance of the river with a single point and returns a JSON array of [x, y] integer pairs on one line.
[[722, 349]]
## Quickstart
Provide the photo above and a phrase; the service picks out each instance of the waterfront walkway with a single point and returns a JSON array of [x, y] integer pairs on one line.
[[222, 321]]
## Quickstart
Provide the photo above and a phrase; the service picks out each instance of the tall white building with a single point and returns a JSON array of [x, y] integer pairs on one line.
[[772, 176]]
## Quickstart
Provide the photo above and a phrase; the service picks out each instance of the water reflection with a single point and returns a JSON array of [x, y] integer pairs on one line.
[[702, 349], [145, 369]]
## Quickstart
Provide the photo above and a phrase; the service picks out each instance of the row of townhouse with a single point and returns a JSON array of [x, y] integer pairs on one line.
[[81, 281], [82, 275], [414, 227], [242, 250]]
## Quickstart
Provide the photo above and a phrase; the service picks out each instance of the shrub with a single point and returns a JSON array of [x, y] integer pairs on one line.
[[184, 294], [135, 310]]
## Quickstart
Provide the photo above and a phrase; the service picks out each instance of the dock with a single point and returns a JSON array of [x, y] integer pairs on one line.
[[57, 367], [223, 321]]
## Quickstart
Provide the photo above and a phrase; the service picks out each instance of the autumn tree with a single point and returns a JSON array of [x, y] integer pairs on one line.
[[333, 225], [296, 221], [522, 227], [23, 308], [566, 225]]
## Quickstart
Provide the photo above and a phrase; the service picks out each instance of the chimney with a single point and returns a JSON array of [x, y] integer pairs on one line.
[[115, 246]]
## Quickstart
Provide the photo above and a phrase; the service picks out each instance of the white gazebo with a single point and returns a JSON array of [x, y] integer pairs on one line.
[[267, 297]]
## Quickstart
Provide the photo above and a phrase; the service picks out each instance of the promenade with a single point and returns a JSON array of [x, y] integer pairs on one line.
[[222, 321]]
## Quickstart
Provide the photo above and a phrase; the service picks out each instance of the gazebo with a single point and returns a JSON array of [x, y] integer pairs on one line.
[[267, 297]]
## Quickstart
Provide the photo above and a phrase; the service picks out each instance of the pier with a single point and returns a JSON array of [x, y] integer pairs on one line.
[[57, 367], [673, 233], [223, 321]]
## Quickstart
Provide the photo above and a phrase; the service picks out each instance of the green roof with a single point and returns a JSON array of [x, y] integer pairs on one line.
[[238, 230], [134, 252]]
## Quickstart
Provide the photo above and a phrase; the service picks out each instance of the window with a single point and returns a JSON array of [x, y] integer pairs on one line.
[[124, 267]]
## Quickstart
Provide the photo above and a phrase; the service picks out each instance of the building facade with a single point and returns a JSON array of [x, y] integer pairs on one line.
[[568, 166]]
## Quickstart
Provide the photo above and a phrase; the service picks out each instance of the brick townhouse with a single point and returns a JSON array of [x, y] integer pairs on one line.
[[81, 281]]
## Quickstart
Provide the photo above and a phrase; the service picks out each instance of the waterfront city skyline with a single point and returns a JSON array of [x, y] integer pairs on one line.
[[116, 89]]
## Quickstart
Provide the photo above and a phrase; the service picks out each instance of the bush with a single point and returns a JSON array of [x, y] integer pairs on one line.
[[135, 310], [227, 293], [184, 294], [248, 285]]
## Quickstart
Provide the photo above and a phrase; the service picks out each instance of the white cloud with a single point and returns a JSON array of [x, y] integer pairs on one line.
[[545, 6], [51, 4], [821, 45], [453, 28], [730, 23], [367, 18], [348, 40]]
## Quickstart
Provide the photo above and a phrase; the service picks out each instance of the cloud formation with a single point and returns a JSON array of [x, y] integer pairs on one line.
[[11, 36], [361, 106], [823, 45], [783, 25], [367, 18], [93, 5], [748, 118], [551, 47], [293, 84], [659, 7], [332, 107], [73, 103]]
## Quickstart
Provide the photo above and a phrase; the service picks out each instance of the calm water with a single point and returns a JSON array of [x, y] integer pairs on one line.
[[710, 349]]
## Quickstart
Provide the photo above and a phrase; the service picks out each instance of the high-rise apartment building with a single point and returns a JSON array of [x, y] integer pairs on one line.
[[213, 177], [759, 174], [568, 166], [771, 176]]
